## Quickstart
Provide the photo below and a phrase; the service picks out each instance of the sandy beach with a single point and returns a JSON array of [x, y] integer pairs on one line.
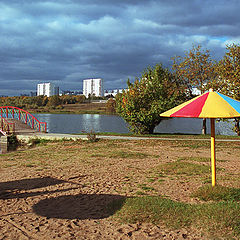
[[61, 190]]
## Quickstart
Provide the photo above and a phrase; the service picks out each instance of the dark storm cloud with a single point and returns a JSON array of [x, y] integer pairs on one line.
[[69, 40]]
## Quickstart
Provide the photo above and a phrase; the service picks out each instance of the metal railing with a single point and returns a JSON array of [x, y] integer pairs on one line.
[[21, 115], [6, 127]]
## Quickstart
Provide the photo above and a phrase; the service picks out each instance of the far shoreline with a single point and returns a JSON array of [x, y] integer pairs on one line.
[[72, 112], [80, 108]]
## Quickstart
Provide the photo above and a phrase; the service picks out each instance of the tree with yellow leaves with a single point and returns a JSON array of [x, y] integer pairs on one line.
[[196, 69], [228, 72]]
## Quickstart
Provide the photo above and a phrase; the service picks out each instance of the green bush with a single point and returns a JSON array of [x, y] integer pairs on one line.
[[155, 92]]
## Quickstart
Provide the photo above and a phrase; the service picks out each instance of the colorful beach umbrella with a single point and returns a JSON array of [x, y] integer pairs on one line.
[[208, 105]]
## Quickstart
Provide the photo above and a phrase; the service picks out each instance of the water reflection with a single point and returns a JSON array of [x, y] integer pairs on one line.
[[91, 122], [194, 126], [181, 125], [78, 123]]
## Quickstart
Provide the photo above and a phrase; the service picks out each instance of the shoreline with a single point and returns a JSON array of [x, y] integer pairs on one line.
[[72, 112]]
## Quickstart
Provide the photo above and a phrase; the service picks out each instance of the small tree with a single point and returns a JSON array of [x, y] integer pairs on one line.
[[54, 101], [111, 105], [155, 92], [196, 69], [228, 80]]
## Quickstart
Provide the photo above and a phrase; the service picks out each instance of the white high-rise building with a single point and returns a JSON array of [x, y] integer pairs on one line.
[[47, 89], [93, 86]]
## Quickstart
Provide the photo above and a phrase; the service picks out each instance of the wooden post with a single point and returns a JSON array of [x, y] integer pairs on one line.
[[213, 154], [3, 144]]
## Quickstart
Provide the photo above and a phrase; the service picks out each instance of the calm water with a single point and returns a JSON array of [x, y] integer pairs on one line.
[[79, 123]]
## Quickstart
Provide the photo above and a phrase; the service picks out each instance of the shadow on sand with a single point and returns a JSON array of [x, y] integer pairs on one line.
[[11, 189], [81, 206], [29, 183]]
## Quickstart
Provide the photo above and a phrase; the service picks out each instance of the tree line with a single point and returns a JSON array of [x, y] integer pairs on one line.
[[41, 101], [159, 89]]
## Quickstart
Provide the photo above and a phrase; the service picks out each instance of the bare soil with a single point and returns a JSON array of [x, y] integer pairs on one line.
[[60, 190]]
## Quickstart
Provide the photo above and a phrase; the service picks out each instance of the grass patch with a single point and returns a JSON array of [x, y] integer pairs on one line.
[[145, 187], [97, 155], [198, 159], [121, 154], [183, 168], [29, 165], [192, 144], [157, 177], [218, 218], [38, 141], [217, 193], [9, 165], [125, 154], [206, 180], [150, 180], [195, 159], [140, 193]]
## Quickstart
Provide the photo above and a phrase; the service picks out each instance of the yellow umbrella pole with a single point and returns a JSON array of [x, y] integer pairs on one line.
[[213, 154]]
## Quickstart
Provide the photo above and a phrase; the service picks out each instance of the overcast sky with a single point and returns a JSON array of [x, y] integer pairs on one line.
[[66, 41]]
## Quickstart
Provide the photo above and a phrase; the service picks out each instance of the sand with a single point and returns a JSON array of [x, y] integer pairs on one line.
[[61, 190]]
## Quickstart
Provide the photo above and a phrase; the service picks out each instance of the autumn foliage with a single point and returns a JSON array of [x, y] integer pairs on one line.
[[36, 102], [228, 76]]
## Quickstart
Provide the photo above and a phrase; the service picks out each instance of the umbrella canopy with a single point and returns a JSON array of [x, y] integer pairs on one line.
[[208, 105]]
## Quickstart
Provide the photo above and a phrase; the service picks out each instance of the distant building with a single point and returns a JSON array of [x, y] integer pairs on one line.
[[33, 94], [113, 92], [93, 86], [47, 89], [67, 92], [196, 91], [56, 91], [71, 92]]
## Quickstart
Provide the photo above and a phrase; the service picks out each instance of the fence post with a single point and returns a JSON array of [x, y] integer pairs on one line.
[[4, 144]]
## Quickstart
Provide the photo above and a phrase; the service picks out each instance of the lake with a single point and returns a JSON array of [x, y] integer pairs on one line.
[[79, 123]]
